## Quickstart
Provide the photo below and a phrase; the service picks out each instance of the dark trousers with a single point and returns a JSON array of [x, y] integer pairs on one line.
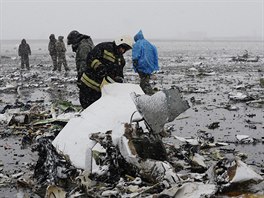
[[24, 61], [88, 96]]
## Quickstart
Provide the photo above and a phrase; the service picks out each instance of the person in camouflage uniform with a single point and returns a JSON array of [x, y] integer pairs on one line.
[[53, 51], [61, 50], [24, 51], [81, 45]]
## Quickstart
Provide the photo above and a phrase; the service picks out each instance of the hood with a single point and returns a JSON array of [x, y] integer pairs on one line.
[[52, 36], [60, 38], [77, 39], [75, 43], [139, 36], [81, 37], [23, 41]]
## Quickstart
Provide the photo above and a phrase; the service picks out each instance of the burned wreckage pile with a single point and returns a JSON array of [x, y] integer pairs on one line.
[[125, 150]]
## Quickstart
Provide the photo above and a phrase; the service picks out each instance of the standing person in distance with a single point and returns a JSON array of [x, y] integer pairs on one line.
[[145, 61], [81, 45], [105, 61], [61, 51], [24, 51], [53, 51]]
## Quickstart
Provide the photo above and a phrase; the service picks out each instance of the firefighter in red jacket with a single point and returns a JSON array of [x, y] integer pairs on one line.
[[104, 61]]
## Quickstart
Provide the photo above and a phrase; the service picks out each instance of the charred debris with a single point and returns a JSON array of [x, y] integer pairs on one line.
[[145, 161]]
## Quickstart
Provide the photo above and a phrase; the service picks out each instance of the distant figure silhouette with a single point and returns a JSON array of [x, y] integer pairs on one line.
[[24, 51], [53, 51], [61, 50], [245, 55]]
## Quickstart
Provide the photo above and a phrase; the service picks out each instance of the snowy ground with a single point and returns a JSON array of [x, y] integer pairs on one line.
[[202, 70]]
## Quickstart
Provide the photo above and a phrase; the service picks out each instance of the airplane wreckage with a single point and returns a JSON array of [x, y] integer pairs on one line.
[[118, 147]]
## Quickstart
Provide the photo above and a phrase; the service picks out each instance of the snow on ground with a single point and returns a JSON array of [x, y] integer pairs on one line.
[[202, 70]]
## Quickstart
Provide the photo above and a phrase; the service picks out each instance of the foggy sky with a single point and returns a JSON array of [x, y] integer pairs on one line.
[[159, 19]]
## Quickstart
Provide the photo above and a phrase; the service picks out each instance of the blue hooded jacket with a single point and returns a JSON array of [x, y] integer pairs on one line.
[[146, 54]]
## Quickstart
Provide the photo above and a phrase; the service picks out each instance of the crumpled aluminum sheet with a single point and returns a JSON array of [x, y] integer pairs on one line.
[[160, 108]]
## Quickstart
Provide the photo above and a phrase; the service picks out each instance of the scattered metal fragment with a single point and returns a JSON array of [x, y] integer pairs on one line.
[[213, 125], [160, 108], [245, 139], [18, 119], [239, 96], [190, 190], [52, 168], [230, 171]]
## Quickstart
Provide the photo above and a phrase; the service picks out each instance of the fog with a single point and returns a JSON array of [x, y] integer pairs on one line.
[[158, 19]]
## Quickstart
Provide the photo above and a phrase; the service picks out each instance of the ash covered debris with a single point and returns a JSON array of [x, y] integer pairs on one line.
[[130, 156], [51, 166], [132, 149], [132, 159]]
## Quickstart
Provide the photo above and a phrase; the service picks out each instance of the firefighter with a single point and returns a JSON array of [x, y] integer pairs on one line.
[[105, 61]]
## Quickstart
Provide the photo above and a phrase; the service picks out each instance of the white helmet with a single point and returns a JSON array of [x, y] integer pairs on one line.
[[125, 40]]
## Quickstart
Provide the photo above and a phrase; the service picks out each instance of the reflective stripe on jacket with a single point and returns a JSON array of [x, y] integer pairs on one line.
[[104, 60]]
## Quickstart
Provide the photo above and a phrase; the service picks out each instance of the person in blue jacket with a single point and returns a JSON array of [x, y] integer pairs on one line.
[[145, 61]]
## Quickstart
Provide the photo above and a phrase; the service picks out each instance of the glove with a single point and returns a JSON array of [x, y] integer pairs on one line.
[[119, 79], [135, 63], [101, 71]]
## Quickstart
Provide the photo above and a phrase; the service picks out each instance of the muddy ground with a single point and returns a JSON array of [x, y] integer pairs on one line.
[[204, 73]]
